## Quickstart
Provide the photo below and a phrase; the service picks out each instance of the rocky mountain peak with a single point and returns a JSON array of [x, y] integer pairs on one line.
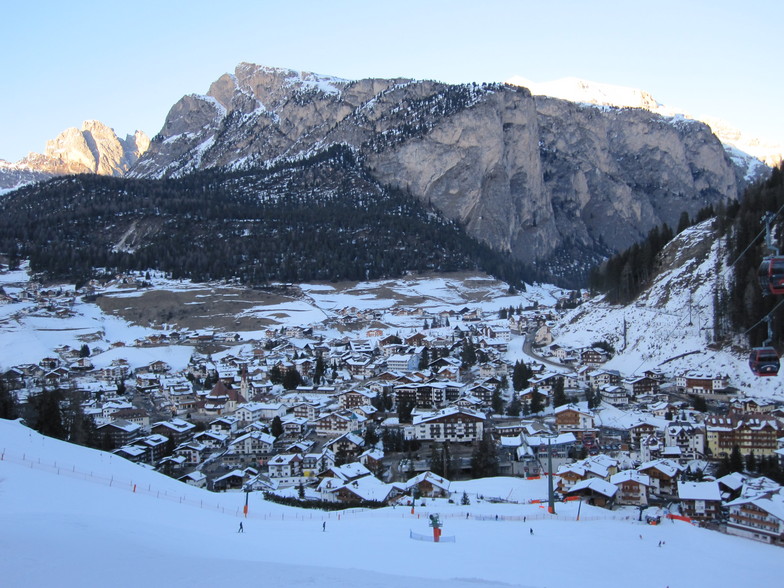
[[93, 148]]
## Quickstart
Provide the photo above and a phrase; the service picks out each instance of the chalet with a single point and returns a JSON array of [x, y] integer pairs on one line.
[[178, 430], [110, 407], [688, 437], [135, 415], [120, 432], [593, 356], [428, 484], [346, 447], [361, 367], [701, 384], [366, 488], [235, 479], [306, 410], [570, 419], [158, 367], [751, 405], [599, 378], [455, 424], [372, 459], [354, 398], [194, 478], [344, 473], [639, 430], [614, 395], [598, 466], [227, 425], [632, 487], [700, 500], [212, 439], [337, 423], [134, 453], [191, 453], [427, 394], [294, 426], [255, 445], [595, 491], [644, 385], [663, 475], [416, 340], [117, 370], [315, 463], [13, 379], [250, 412]]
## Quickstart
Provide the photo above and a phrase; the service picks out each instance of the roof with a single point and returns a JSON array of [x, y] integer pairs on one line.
[[596, 485], [667, 467], [699, 491], [435, 480], [449, 411], [630, 476], [368, 488]]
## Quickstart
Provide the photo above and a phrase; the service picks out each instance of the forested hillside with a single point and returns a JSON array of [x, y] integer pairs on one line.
[[739, 302], [318, 219]]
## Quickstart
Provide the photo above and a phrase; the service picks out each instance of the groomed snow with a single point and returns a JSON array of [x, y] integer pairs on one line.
[[66, 528]]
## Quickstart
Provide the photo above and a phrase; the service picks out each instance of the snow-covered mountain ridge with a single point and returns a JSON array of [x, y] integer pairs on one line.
[[596, 93]]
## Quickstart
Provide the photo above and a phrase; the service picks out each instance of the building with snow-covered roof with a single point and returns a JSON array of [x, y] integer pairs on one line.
[[633, 487], [663, 474], [429, 484], [756, 433], [595, 491], [759, 517], [700, 500], [454, 424]]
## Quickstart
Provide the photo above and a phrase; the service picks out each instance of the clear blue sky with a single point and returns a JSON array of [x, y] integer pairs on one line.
[[127, 63]]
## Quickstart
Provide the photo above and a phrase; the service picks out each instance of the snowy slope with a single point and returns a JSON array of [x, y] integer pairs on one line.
[[670, 325], [70, 518]]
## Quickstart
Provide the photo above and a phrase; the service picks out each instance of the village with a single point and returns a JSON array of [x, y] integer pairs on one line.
[[388, 415]]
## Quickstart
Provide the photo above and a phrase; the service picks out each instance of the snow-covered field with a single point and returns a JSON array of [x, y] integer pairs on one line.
[[27, 336], [69, 517]]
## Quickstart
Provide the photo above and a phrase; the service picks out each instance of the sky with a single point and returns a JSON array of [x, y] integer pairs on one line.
[[127, 63]]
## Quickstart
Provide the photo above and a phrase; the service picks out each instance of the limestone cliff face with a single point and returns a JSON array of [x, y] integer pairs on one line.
[[547, 179], [95, 148]]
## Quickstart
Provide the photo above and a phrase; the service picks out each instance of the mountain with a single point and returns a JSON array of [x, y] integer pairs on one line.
[[320, 218], [553, 182], [95, 148], [749, 151]]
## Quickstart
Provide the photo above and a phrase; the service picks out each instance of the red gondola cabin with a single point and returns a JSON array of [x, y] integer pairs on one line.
[[771, 275], [764, 361]]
